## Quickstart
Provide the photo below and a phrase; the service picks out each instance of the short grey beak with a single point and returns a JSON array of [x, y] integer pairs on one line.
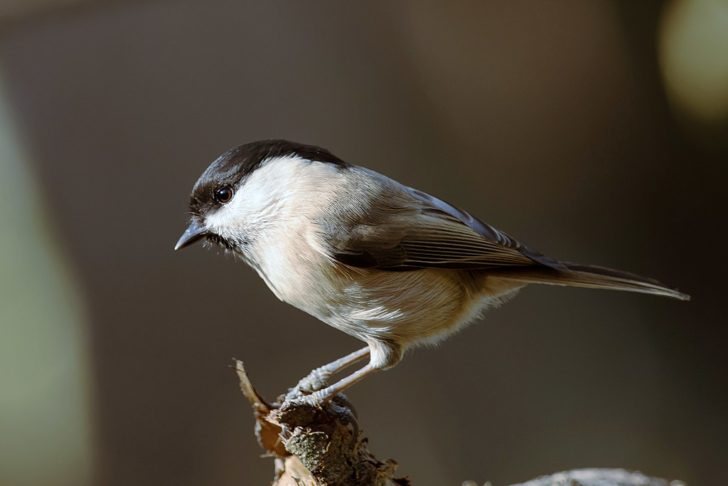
[[194, 232]]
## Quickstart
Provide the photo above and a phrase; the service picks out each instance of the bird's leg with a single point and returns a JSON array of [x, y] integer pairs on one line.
[[382, 355], [319, 378], [321, 396]]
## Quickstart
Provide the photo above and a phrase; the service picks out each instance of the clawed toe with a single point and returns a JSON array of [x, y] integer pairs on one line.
[[315, 399], [314, 389], [316, 380]]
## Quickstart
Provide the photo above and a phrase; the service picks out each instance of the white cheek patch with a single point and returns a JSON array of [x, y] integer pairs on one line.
[[260, 199], [228, 217]]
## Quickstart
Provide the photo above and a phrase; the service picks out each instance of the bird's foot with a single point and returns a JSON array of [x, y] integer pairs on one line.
[[315, 399], [317, 380]]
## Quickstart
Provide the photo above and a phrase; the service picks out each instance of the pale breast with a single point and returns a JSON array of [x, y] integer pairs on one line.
[[408, 307]]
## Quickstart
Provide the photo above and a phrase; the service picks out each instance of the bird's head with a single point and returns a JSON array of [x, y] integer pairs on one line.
[[233, 198]]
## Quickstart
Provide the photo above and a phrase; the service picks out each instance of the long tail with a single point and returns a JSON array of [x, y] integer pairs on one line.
[[592, 276]]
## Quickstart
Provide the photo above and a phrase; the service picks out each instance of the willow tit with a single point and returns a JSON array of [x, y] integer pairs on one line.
[[383, 262]]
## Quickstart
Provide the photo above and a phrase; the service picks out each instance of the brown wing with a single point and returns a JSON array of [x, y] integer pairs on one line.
[[430, 234]]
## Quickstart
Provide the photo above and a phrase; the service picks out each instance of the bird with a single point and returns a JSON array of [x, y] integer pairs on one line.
[[390, 265]]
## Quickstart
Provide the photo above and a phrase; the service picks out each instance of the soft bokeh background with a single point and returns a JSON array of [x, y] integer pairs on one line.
[[592, 130]]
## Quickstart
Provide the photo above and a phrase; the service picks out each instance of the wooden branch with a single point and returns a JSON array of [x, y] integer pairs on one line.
[[325, 447], [316, 446]]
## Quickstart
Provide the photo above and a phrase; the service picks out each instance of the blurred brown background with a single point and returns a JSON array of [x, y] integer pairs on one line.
[[592, 130]]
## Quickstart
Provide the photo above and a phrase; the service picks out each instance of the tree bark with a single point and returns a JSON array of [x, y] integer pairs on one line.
[[325, 446]]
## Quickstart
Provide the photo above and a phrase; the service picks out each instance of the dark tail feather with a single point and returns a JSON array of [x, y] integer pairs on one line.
[[593, 276]]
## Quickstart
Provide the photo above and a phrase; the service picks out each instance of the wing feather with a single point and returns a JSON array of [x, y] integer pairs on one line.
[[429, 233]]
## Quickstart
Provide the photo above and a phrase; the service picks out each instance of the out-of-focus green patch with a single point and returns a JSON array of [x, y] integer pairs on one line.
[[45, 411]]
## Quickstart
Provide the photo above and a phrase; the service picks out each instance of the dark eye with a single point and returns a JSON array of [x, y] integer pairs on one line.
[[223, 194]]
